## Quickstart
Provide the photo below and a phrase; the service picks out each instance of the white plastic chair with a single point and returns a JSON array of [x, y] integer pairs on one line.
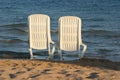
[[39, 34], [70, 38]]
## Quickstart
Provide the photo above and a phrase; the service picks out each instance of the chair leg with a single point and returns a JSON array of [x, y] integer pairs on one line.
[[31, 54], [50, 54], [60, 54], [80, 54]]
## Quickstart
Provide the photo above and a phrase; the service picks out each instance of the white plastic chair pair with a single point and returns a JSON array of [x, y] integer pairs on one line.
[[69, 34]]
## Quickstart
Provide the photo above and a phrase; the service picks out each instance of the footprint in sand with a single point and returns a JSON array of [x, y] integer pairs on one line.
[[62, 72], [45, 71], [29, 69], [34, 75], [12, 76], [79, 71], [14, 64], [93, 75], [20, 72]]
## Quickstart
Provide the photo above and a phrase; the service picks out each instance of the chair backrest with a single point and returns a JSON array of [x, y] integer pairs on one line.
[[70, 33], [39, 31]]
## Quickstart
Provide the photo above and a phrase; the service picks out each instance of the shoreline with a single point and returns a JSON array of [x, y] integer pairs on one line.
[[84, 69], [26, 55]]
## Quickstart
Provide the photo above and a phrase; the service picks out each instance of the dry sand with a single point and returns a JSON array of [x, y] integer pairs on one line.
[[85, 69]]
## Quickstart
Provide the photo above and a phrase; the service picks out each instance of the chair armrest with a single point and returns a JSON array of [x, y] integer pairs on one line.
[[84, 47], [54, 46], [52, 42]]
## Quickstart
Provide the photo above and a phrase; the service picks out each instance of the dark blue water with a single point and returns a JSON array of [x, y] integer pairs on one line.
[[100, 29]]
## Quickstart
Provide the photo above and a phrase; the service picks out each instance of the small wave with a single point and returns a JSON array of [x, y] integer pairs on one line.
[[102, 33], [15, 25], [116, 36], [97, 31], [95, 19], [94, 26], [16, 28], [22, 27], [12, 41], [104, 50], [13, 55], [6, 37], [20, 30]]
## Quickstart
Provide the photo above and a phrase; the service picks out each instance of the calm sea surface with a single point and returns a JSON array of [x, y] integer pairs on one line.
[[100, 29]]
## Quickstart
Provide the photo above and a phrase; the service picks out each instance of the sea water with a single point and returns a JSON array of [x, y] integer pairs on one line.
[[100, 24]]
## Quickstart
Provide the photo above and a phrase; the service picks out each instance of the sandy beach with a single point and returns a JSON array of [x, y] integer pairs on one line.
[[84, 69]]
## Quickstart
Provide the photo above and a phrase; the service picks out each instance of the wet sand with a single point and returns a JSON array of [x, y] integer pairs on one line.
[[84, 69]]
